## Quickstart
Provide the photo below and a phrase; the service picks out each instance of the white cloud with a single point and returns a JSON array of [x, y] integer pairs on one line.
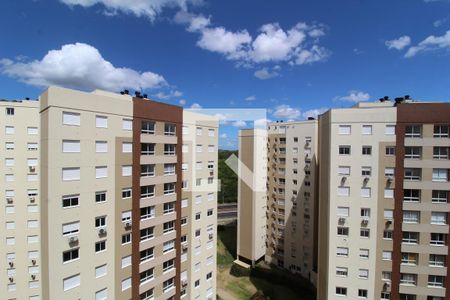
[[196, 106], [265, 73], [440, 22], [399, 43], [140, 8], [223, 136], [169, 95], [314, 112], [239, 123], [354, 96], [79, 66], [182, 102], [297, 45], [285, 111], [261, 123], [251, 98], [431, 43]]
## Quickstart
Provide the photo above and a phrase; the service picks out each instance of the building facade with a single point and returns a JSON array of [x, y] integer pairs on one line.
[[20, 262], [111, 225]]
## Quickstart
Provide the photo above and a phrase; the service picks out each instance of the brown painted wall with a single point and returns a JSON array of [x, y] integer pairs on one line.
[[144, 109]]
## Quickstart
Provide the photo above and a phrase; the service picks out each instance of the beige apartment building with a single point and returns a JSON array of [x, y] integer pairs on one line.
[[278, 223], [20, 262], [111, 225]]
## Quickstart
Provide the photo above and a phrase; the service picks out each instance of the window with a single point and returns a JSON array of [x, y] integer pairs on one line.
[[441, 131], [344, 170], [439, 218], [70, 174], [211, 148], [127, 147], [362, 293], [126, 171], [344, 150], [197, 216], [211, 132], [147, 170], [100, 197], [9, 146], [126, 216], [387, 234], [390, 150], [342, 251], [101, 122], [126, 261], [413, 131], [385, 296], [435, 281], [364, 232], [367, 129], [168, 265], [366, 150], [365, 192], [439, 196], [185, 148], [147, 191], [71, 146], [440, 175], [413, 152], [146, 254], [410, 195], [100, 222], [126, 193], [169, 169], [169, 207], [184, 203], [345, 129], [389, 193], [210, 212], [147, 233], [343, 191], [389, 172], [147, 149], [387, 255], [341, 291], [101, 146], [386, 276], [169, 149], [389, 130], [413, 174], [197, 233], [71, 118], [70, 255], [409, 258], [101, 172], [102, 294], [342, 231], [71, 282], [168, 246], [169, 129], [9, 130], [197, 283], [147, 295], [199, 148], [146, 275], [409, 279], [148, 127], [70, 228], [126, 238], [9, 111], [366, 171], [126, 283], [436, 260], [410, 216], [341, 271], [147, 212], [70, 201], [440, 152], [32, 146], [409, 237], [9, 162], [183, 221], [438, 239], [169, 188], [168, 284], [363, 273], [199, 131]]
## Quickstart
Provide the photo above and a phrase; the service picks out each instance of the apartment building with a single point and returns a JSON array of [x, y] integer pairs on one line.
[[252, 196], [117, 201], [284, 160], [20, 262], [383, 201]]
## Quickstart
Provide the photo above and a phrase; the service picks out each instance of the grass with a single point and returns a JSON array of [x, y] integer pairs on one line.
[[242, 288]]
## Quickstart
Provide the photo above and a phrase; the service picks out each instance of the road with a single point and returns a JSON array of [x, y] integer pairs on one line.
[[227, 211]]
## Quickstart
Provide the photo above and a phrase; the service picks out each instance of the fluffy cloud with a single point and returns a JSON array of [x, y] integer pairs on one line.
[[196, 106], [140, 8], [239, 123], [354, 96], [169, 95], [79, 66], [285, 111], [314, 112], [440, 22], [297, 45], [182, 102], [265, 73], [431, 43], [251, 98], [261, 123], [399, 43], [223, 135]]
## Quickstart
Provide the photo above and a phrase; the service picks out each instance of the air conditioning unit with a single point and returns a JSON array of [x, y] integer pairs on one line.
[[184, 247], [343, 179], [73, 239], [184, 282], [127, 224], [341, 220], [33, 262], [9, 200], [386, 286], [364, 222], [11, 279], [11, 264], [33, 276], [32, 169], [211, 236], [32, 199], [101, 231], [366, 179], [389, 179], [388, 222]]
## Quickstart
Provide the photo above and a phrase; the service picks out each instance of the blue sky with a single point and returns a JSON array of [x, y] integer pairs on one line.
[[294, 58]]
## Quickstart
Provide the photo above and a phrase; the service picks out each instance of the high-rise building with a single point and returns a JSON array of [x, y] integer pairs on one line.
[[20, 261], [112, 225]]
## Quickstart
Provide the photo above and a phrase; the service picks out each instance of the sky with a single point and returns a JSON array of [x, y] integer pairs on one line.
[[292, 58]]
